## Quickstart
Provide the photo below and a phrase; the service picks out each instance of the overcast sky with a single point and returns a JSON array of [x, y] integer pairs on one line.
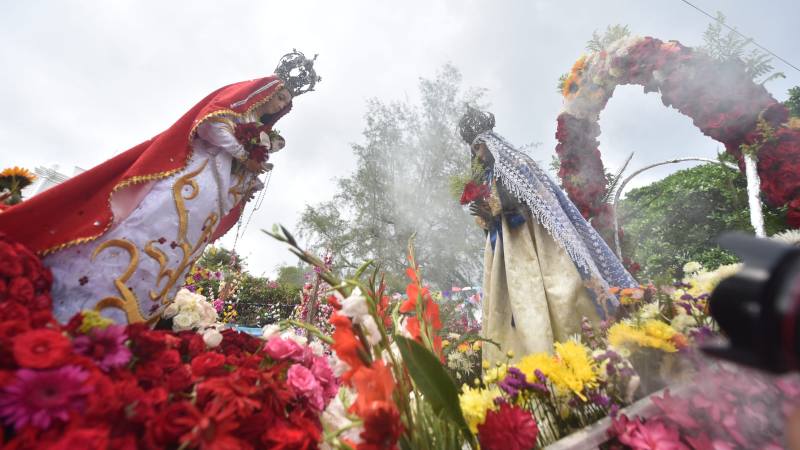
[[81, 81]]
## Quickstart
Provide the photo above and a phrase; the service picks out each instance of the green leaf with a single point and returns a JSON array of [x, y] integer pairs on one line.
[[433, 381]]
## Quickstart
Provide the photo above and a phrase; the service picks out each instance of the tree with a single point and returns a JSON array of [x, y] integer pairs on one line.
[[677, 219], [291, 277], [400, 188], [732, 46], [793, 102]]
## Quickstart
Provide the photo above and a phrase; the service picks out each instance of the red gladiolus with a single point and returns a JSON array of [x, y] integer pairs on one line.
[[382, 426], [508, 428], [346, 344], [373, 384]]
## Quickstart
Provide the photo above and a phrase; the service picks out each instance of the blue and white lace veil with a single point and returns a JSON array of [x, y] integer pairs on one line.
[[549, 205]]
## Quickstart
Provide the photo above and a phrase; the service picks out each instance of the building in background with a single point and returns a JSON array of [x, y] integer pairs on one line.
[[47, 177]]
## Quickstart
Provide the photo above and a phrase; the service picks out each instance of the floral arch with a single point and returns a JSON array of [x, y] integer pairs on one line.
[[721, 99]]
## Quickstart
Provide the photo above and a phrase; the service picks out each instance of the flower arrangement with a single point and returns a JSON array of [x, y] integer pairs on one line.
[[255, 139], [755, 121], [397, 391], [93, 384]]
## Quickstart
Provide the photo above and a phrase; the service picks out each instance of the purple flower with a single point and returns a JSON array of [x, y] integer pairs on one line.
[[515, 381], [39, 397], [105, 346], [219, 304]]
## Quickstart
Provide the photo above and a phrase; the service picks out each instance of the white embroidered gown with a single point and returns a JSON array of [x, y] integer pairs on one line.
[[132, 271]]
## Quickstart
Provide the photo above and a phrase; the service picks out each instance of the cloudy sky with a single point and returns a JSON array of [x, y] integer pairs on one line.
[[83, 80]]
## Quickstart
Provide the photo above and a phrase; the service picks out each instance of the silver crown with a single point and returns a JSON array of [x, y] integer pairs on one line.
[[297, 73], [474, 122]]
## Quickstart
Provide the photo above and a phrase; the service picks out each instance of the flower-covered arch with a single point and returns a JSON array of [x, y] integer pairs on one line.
[[721, 99]]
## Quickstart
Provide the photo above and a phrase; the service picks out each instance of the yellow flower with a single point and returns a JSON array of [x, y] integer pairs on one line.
[[495, 374], [572, 369], [703, 282], [572, 83], [445, 343], [541, 361], [22, 175], [578, 369], [475, 402], [92, 319], [653, 334], [476, 345]]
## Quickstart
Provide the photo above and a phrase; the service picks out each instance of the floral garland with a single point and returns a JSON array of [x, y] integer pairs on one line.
[[729, 111]]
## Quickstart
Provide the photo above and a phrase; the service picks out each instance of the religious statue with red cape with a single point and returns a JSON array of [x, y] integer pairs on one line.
[[121, 237]]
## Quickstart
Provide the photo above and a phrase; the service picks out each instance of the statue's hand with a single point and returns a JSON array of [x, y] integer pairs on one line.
[[480, 208]]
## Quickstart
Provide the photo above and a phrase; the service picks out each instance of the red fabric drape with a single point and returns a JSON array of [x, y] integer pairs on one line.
[[79, 209]]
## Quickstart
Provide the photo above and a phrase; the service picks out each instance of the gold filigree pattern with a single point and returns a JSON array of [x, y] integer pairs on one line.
[[167, 277], [170, 276], [127, 301]]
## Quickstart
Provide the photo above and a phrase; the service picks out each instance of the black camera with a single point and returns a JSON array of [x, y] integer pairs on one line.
[[758, 308]]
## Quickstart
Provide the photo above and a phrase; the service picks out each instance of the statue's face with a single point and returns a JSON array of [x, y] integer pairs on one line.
[[479, 150], [277, 102], [278, 143]]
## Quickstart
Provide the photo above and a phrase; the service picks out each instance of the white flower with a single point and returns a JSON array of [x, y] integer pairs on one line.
[[649, 311], [692, 267], [335, 416], [386, 357], [338, 366], [317, 348], [182, 322], [270, 330], [682, 322], [355, 305], [404, 330], [186, 298], [212, 337], [170, 311], [373, 334], [301, 340]]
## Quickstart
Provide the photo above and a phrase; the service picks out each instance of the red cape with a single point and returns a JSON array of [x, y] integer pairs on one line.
[[79, 209]]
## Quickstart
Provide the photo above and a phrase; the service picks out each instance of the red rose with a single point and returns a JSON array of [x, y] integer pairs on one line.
[[297, 434], [41, 349], [191, 344], [168, 360], [10, 265], [246, 133], [259, 153], [473, 192], [21, 290], [180, 379], [208, 364], [84, 438]]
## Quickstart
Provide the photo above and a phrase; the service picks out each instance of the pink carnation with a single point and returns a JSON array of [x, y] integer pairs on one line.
[[304, 382], [279, 348]]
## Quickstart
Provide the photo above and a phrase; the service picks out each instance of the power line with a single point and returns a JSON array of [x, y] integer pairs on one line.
[[740, 34]]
